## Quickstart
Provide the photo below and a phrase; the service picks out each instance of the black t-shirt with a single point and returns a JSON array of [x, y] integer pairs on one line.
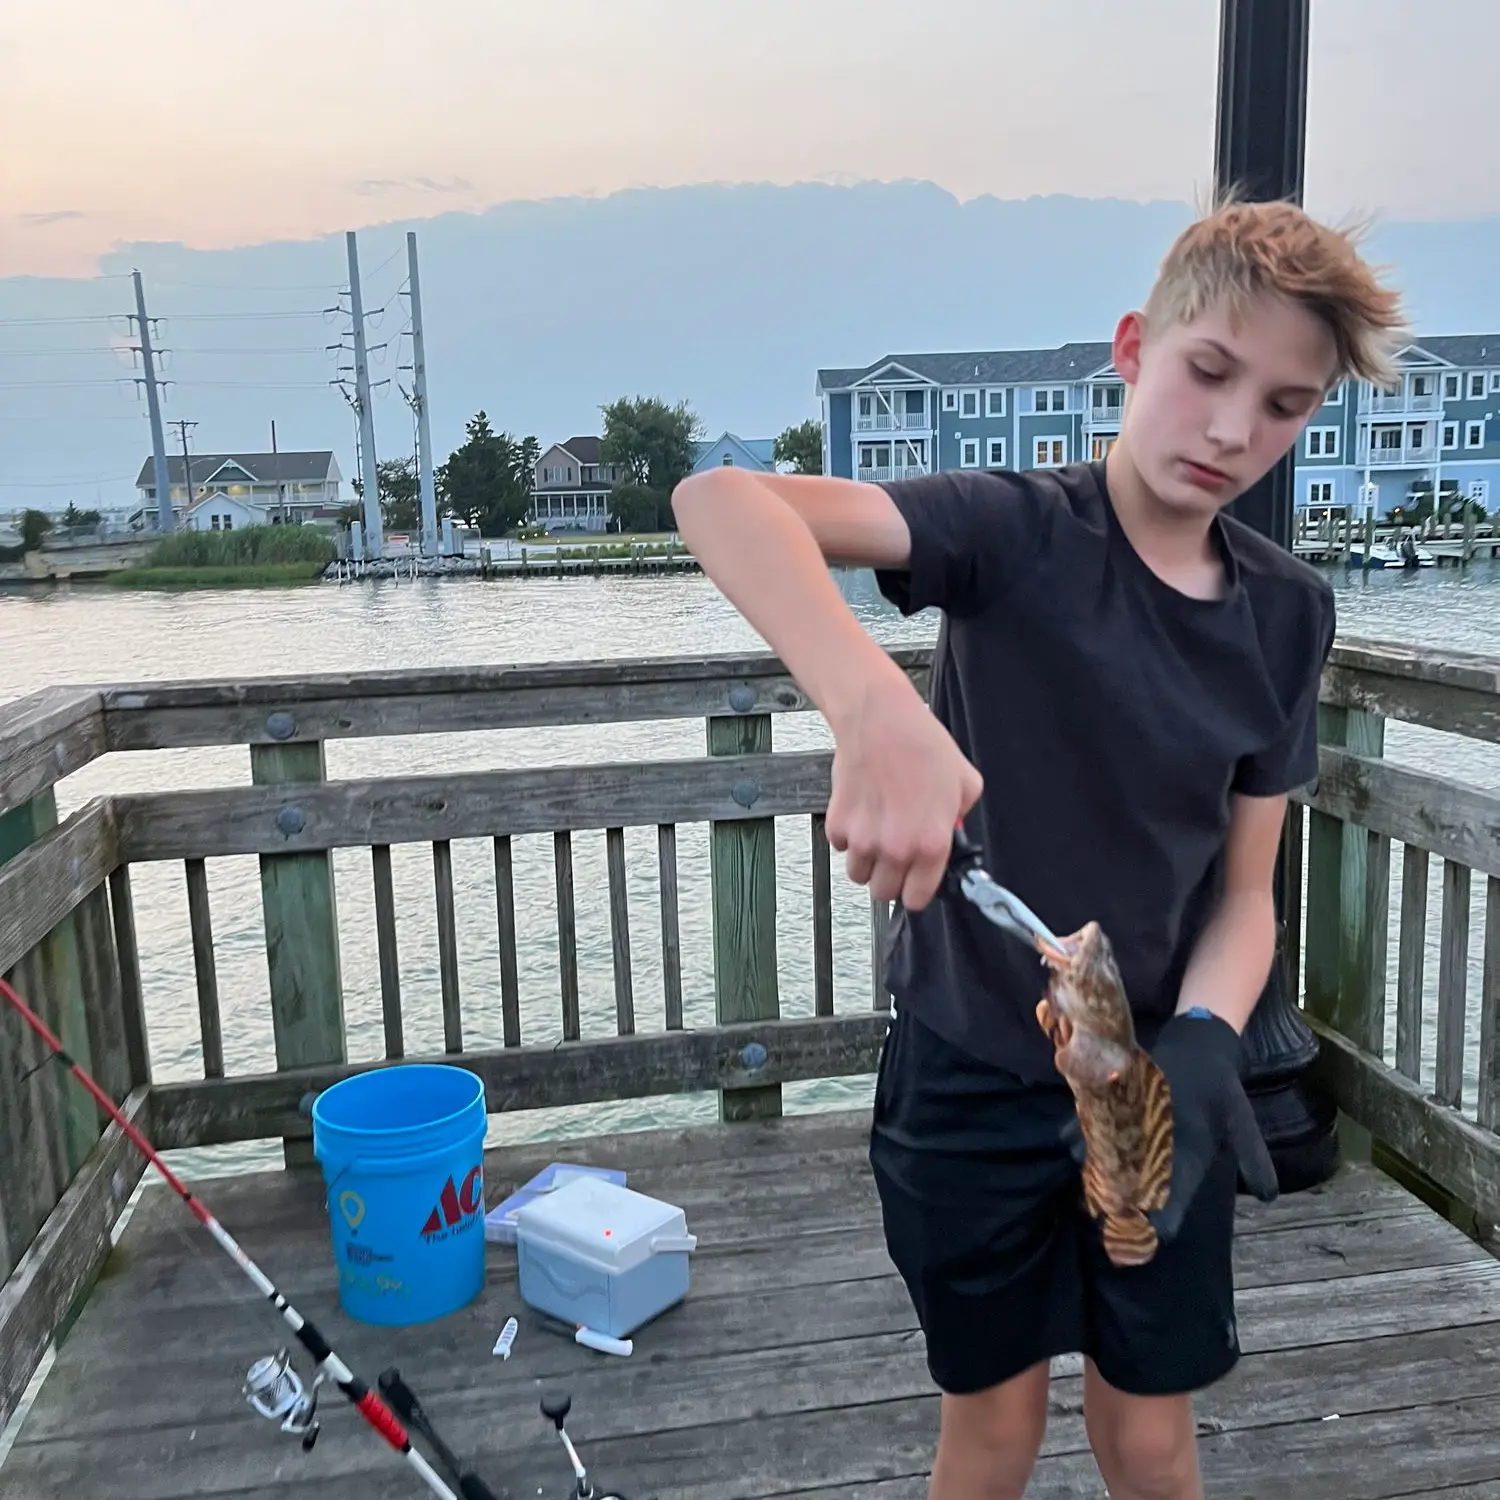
[[1111, 717]]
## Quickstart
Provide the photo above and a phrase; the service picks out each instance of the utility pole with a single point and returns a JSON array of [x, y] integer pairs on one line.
[[187, 464], [374, 537], [280, 487], [419, 400], [153, 406]]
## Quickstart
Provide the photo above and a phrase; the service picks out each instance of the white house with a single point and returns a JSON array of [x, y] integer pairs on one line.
[[224, 491]]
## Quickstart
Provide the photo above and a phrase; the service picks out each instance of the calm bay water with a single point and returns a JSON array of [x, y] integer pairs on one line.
[[85, 634]]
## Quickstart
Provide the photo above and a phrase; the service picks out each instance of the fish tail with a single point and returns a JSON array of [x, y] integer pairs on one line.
[[1129, 1239]]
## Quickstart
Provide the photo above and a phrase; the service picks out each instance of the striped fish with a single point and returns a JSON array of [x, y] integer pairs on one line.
[[1123, 1101]]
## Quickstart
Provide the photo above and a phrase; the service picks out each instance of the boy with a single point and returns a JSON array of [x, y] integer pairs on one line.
[[1131, 679]]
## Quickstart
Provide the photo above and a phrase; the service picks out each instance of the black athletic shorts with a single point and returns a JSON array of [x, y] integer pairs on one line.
[[984, 1220]]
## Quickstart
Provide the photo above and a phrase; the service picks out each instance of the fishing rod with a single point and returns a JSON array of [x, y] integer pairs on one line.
[[272, 1386]]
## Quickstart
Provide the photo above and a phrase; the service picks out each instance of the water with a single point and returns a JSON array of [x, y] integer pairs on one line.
[[86, 634]]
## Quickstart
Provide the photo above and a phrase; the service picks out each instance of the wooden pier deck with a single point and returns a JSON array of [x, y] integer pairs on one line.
[[1371, 1330]]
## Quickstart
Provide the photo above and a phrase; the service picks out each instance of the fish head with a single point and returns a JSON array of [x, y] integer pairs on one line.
[[1086, 988]]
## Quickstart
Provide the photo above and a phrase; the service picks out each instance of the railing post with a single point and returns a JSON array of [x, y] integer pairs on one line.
[[742, 863], [302, 935]]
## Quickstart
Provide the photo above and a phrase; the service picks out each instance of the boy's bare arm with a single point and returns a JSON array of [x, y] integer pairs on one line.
[[899, 780]]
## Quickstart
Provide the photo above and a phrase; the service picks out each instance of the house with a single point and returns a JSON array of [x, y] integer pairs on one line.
[[232, 490], [728, 448], [570, 487], [1039, 408]]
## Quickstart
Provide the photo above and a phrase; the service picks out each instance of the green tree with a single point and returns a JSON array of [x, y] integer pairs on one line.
[[487, 481], [634, 507], [801, 447], [80, 520], [651, 441], [35, 524], [400, 494]]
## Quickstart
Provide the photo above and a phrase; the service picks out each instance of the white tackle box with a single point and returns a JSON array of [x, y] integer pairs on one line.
[[602, 1256]]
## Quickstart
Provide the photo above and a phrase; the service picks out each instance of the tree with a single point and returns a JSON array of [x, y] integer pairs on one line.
[[80, 520], [400, 494], [801, 447], [651, 441], [35, 524], [487, 482]]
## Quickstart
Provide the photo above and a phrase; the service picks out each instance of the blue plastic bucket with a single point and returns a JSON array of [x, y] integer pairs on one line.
[[402, 1153]]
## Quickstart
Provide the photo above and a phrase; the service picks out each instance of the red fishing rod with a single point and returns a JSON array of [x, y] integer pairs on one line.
[[272, 1387]]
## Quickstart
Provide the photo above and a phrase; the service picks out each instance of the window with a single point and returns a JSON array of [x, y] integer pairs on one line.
[[1322, 442], [1476, 386], [1479, 493], [1049, 398], [968, 453], [1473, 434], [1452, 387], [1099, 446], [728, 461], [968, 404], [1450, 435], [1495, 382], [1421, 386], [1049, 452], [950, 400], [994, 403], [1320, 492], [996, 457], [1335, 397], [1106, 402]]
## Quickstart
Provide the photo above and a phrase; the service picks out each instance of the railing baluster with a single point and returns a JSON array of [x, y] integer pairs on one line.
[[1377, 916], [1296, 828], [619, 930], [447, 931], [671, 937], [1411, 955], [201, 924], [385, 943], [132, 1006], [822, 915], [1453, 973], [880, 922], [567, 934], [505, 919], [1489, 1011]]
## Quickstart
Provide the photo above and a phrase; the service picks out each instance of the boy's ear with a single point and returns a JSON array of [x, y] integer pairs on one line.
[[1130, 334]]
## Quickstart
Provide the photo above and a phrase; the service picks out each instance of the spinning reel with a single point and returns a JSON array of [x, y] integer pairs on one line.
[[275, 1390], [556, 1409]]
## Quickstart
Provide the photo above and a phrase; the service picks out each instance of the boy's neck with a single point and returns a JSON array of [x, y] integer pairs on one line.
[[1177, 548]]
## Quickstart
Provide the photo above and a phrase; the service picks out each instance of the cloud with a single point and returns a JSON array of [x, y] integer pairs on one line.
[[56, 216], [372, 186]]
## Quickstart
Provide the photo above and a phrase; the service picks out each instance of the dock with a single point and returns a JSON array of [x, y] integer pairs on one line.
[[1369, 1296]]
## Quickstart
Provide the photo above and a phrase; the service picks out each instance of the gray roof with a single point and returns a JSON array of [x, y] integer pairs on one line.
[[1077, 361], [267, 468], [990, 367]]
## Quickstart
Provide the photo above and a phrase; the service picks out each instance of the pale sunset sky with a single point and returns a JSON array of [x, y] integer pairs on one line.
[[219, 124]]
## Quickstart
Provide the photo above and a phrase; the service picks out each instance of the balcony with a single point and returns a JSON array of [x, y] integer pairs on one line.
[[887, 421], [1102, 416], [1399, 403], [879, 473], [1402, 456]]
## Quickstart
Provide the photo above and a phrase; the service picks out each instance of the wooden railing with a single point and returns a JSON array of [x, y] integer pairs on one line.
[[745, 1024]]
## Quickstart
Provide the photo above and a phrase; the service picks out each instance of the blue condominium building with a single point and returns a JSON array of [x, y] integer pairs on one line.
[[1039, 408]]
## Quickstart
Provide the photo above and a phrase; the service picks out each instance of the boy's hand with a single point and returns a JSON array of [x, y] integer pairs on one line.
[[900, 784], [1210, 1111]]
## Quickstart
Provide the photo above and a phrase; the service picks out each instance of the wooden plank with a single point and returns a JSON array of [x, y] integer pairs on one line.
[[388, 950], [1489, 1011], [1410, 960], [619, 930], [1374, 944], [1453, 978], [328, 706], [1448, 818], [1445, 706], [822, 917], [505, 916], [447, 935], [546, 1074], [671, 938], [50, 873], [567, 934], [66, 1255], [1475, 670], [742, 864], [200, 923], [302, 929], [344, 814], [108, 1019], [1462, 1157], [48, 735]]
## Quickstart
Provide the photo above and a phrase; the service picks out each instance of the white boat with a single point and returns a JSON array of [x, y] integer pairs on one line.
[[1384, 555]]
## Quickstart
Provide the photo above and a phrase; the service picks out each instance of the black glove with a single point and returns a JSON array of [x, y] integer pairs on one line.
[[1199, 1055]]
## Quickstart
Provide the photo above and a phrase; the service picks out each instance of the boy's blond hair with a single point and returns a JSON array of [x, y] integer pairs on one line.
[[1239, 249]]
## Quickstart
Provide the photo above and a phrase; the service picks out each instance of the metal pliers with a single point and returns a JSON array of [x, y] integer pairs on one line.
[[966, 874]]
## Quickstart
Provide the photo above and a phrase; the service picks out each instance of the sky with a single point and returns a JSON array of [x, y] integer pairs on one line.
[[217, 124]]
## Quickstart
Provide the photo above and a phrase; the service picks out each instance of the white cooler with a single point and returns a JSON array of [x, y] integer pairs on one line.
[[602, 1256]]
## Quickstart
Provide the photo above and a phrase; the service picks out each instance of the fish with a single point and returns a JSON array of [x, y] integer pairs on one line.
[[1122, 1098]]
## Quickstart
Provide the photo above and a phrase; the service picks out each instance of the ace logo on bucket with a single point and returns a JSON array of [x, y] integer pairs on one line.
[[457, 1208]]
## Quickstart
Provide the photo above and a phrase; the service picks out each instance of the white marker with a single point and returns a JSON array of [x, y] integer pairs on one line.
[[506, 1339]]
